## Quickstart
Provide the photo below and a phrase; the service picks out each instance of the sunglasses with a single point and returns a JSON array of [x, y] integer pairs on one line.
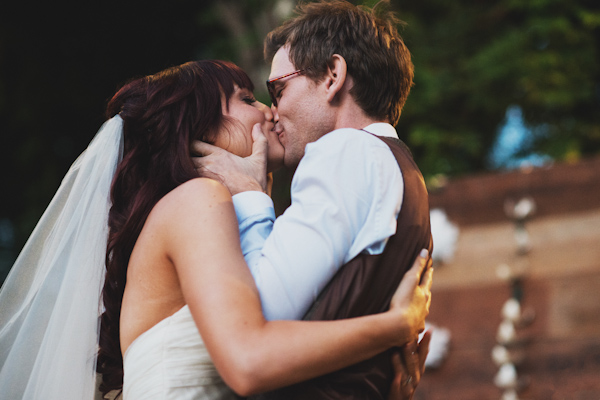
[[271, 86]]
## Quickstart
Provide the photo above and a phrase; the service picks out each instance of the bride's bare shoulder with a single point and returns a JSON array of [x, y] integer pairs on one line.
[[203, 188], [195, 194]]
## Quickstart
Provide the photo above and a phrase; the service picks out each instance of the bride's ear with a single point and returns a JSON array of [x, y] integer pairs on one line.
[[335, 76]]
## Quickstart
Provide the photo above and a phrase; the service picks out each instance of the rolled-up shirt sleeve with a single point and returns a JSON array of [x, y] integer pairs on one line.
[[255, 215]]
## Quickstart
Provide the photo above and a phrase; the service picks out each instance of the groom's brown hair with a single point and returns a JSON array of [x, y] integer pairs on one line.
[[375, 54]]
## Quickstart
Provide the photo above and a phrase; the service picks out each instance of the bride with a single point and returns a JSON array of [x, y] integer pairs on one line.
[[135, 269]]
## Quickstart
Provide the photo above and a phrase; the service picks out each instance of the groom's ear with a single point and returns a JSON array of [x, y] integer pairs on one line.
[[335, 76]]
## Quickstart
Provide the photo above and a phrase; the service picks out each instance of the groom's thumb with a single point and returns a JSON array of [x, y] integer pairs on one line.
[[259, 145]]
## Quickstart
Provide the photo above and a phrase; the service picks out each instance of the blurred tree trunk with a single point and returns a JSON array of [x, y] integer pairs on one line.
[[248, 23]]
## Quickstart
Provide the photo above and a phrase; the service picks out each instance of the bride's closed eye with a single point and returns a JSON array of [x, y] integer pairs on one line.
[[249, 100], [247, 96]]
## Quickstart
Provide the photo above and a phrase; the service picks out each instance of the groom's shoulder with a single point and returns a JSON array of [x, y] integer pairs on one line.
[[335, 139], [348, 137], [345, 145]]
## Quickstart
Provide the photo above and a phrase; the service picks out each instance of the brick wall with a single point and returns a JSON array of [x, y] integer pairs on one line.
[[561, 284], [557, 189]]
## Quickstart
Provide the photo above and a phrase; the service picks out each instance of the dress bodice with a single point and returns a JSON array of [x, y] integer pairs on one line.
[[170, 361]]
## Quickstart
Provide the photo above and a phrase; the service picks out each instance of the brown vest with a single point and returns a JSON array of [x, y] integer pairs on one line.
[[365, 285]]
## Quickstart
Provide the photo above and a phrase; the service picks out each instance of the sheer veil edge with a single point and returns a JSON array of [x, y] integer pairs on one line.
[[50, 301]]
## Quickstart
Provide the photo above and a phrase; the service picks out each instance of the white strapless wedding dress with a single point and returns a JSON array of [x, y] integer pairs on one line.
[[170, 361]]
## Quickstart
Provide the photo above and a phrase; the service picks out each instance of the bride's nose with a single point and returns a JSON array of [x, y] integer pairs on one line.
[[267, 111]]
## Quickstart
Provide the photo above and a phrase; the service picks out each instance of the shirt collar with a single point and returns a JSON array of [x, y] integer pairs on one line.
[[382, 129]]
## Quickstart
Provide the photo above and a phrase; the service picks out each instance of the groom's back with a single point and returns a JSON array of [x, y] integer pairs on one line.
[[365, 286]]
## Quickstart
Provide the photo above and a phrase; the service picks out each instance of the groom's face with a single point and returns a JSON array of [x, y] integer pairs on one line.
[[302, 114]]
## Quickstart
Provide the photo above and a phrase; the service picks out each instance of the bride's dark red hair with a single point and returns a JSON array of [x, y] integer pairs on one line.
[[162, 114]]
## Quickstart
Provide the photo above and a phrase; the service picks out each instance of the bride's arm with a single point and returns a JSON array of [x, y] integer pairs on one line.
[[252, 355]]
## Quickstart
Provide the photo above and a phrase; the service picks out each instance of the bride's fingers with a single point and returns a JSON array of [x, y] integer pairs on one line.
[[410, 282], [396, 388], [427, 276], [426, 282], [424, 350], [410, 353], [401, 388], [419, 265]]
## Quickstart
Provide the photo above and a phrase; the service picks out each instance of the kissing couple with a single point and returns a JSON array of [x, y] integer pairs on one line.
[[159, 270]]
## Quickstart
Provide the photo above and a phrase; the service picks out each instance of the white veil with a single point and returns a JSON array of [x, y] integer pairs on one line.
[[50, 301]]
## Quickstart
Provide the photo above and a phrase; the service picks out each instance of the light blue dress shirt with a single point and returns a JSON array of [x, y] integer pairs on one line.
[[346, 195]]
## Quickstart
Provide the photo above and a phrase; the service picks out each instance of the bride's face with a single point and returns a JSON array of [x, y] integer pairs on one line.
[[241, 116]]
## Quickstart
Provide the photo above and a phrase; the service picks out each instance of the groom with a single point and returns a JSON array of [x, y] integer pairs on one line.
[[359, 213]]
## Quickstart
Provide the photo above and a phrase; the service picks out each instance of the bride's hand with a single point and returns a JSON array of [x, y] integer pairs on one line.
[[413, 297]]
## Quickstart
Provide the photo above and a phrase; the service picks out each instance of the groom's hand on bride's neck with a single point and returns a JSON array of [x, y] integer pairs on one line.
[[238, 174]]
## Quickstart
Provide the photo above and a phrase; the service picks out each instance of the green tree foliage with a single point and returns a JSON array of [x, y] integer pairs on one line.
[[474, 59]]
